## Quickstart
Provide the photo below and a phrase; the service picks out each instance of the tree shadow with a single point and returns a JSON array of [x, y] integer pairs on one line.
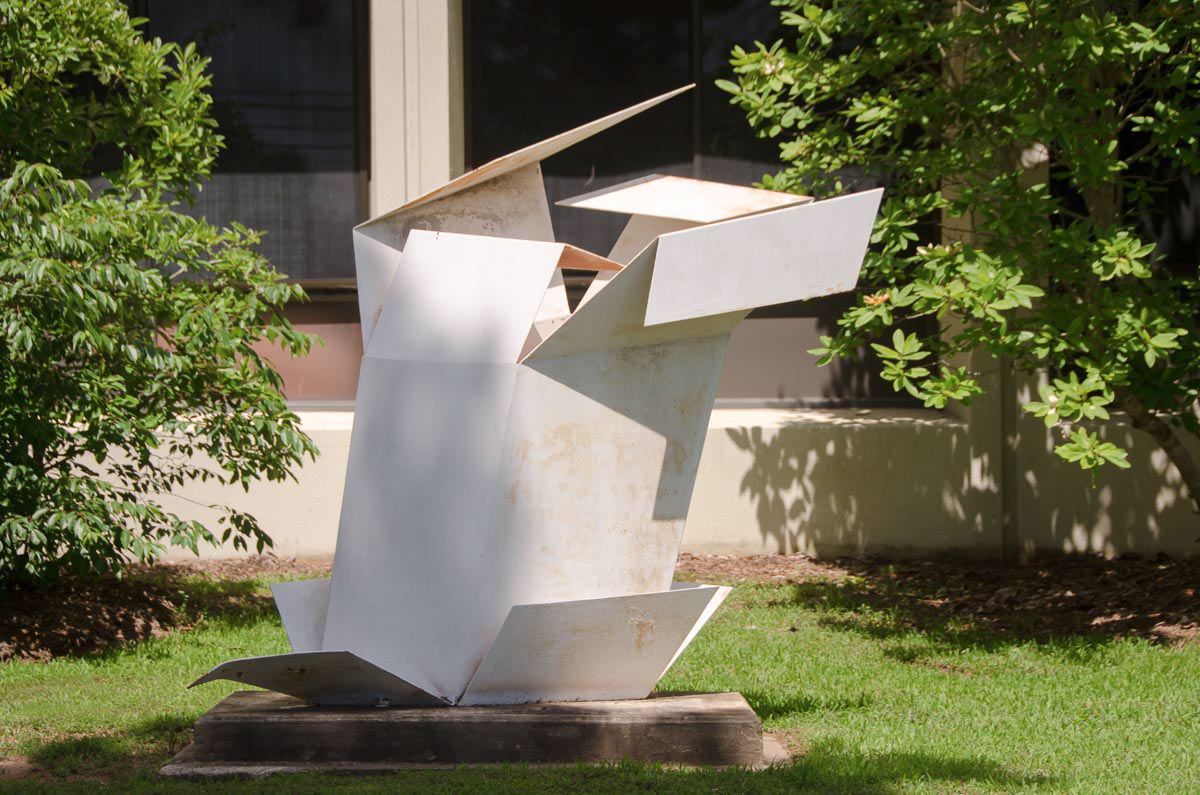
[[1080, 604], [769, 706], [101, 615], [144, 745], [820, 486]]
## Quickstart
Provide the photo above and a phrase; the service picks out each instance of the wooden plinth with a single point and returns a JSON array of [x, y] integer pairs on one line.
[[253, 733]]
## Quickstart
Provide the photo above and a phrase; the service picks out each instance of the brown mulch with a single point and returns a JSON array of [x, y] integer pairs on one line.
[[83, 615], [1157, 599], [757, 568]]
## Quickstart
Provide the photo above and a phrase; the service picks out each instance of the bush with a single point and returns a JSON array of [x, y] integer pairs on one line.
[[127, 327], [1030, 142]]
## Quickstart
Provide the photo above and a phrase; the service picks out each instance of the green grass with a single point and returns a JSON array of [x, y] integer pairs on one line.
[[869, 703]]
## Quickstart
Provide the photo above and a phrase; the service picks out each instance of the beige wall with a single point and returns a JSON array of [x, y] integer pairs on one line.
[[826, 483]]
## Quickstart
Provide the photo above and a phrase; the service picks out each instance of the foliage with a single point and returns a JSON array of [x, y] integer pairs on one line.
[[128, 364], [1030, 141]]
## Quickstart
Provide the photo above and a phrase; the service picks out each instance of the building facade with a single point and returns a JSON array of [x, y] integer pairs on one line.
[[338, 110]]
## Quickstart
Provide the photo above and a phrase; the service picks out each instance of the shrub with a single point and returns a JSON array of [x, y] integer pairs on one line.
[[1033, 143], [127, 328]]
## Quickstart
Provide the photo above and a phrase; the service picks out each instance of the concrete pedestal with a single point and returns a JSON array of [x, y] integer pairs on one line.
[[254, 733]]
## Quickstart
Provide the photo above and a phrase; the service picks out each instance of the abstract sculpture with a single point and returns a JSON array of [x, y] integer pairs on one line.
[[519, 474]]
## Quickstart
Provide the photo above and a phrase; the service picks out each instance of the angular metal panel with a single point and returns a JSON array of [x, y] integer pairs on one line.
[[772, 258], [463, 298], [336, 678], [599, 465], [615, 318], [419, 578], [587, 650], [374, 266], [534, 153], [512, 205], [302, 606], [637, 234], [681, 198]]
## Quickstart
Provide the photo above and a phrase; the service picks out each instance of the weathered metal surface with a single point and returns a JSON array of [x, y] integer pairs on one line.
[[519, 475], [512, 205], [329, 677], [589, 650], [771, 258]]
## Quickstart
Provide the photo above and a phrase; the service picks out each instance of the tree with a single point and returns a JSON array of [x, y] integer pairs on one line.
[[1030, 142], [127, 328]]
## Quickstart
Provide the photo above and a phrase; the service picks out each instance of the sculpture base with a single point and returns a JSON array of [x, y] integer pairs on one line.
[[256, 733]]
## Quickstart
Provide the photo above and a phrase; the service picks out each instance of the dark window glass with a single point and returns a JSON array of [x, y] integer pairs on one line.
[[288, 94], [538, 67]]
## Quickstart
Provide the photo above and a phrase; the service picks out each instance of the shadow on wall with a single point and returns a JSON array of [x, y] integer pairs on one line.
[[831, 483], [1140, 510]]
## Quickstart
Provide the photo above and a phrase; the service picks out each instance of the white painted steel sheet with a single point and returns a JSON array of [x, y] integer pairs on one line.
[[771, 258], [682, 198], [336, 678], [588, 650], [302, 607]]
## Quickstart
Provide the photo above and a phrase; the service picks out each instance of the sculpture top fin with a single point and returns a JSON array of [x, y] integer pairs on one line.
[[530, 155]]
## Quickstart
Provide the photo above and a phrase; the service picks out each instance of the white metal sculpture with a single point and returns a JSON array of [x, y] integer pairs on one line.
[[519, 474]]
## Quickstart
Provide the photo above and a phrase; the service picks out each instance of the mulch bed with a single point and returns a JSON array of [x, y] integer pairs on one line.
[[1157, 599], [82, 615]]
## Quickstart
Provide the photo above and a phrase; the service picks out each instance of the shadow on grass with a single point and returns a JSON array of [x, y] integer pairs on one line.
[[1078, 605], [143, 746], [131, 759], [769, 706], [87, 616]]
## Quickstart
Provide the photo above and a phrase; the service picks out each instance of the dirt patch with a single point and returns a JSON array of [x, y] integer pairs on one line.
[[730, 569], [18, 769], [79, 616], [1157, 599], [260, 566]]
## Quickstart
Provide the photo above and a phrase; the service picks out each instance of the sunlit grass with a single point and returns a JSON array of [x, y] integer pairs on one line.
[[867, 705]]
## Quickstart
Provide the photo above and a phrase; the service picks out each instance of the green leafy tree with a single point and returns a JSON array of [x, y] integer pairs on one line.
[[1028, 141], [127, 328]]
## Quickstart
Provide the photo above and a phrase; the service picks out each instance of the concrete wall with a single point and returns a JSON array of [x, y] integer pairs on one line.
[[826, 483]]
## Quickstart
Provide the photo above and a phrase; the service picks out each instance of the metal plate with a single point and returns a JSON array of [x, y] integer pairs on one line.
[[683, 199], [772, 258], [532, 154], [302, 606], [336, 678], [589, 650], [463, 298]]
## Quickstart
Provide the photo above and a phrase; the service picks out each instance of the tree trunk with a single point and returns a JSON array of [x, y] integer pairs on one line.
[[1146, 420]]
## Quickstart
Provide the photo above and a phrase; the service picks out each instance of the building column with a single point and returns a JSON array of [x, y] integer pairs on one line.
[[417, 112]]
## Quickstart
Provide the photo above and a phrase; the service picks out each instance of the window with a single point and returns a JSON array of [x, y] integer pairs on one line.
[[289, 94]]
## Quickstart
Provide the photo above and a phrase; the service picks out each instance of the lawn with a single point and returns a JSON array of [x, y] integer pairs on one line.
[[878, 681]]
